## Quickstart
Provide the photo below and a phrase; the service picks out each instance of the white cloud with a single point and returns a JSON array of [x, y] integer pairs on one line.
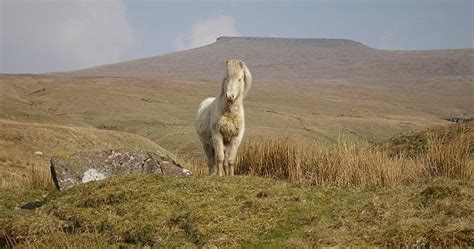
[[206, 31], [44, 36], [388, 40], [393, 35]]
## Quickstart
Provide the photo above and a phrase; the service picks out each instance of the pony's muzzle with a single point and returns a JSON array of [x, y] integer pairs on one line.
[[230, 97]]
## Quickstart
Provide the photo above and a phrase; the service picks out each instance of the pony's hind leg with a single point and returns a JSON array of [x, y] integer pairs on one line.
[[210, 154]]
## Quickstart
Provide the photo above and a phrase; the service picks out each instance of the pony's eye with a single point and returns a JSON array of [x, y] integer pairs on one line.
[[240, 79]]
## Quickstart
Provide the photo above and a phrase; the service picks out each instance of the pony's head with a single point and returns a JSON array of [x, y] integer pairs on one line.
[[237, 80]]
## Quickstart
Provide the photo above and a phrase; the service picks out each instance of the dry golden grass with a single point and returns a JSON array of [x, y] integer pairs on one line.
[[347, 164], [31, 174], [5, 156], [449, 157], [356, 165], [194, 164], [39, 177]]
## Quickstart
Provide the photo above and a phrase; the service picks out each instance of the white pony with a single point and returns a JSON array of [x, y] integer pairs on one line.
[[220, 121]]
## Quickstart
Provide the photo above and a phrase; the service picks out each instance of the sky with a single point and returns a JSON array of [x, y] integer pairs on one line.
[[39, 36]]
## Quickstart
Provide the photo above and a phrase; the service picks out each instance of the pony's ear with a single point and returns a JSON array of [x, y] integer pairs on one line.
[[223, 85], [247, 77]]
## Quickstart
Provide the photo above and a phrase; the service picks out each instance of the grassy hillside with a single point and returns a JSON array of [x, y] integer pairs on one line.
[[163, 110], [351, 195], [346, 194], [52, 114], [239, 211]]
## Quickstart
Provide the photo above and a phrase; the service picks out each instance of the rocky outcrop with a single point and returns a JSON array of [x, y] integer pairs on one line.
[[459, 119], [70, 169]]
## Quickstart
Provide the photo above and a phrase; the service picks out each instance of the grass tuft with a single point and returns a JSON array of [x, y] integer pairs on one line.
[[15, 173], [444, 154]]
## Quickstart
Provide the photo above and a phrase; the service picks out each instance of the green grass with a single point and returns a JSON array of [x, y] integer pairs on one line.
[[241, 211], [16, 198]]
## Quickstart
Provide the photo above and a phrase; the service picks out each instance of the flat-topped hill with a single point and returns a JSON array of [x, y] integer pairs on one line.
[[290, 58]]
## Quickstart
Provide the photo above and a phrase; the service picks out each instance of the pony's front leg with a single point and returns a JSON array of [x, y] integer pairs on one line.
[[226, 170], [231, 155], [226, 159], [219, 153]]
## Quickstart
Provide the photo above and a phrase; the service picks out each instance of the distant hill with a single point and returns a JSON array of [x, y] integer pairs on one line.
[[288, 58]]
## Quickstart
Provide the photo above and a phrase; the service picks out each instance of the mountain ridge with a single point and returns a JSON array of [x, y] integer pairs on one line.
[[287, 39], [272, 58]]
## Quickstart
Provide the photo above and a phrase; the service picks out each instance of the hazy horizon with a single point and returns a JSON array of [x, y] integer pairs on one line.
[[47, 36]]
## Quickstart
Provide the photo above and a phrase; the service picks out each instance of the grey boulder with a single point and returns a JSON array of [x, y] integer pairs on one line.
[[70, 169]]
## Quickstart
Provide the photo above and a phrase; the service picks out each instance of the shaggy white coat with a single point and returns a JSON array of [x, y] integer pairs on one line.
[[220, 122]]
